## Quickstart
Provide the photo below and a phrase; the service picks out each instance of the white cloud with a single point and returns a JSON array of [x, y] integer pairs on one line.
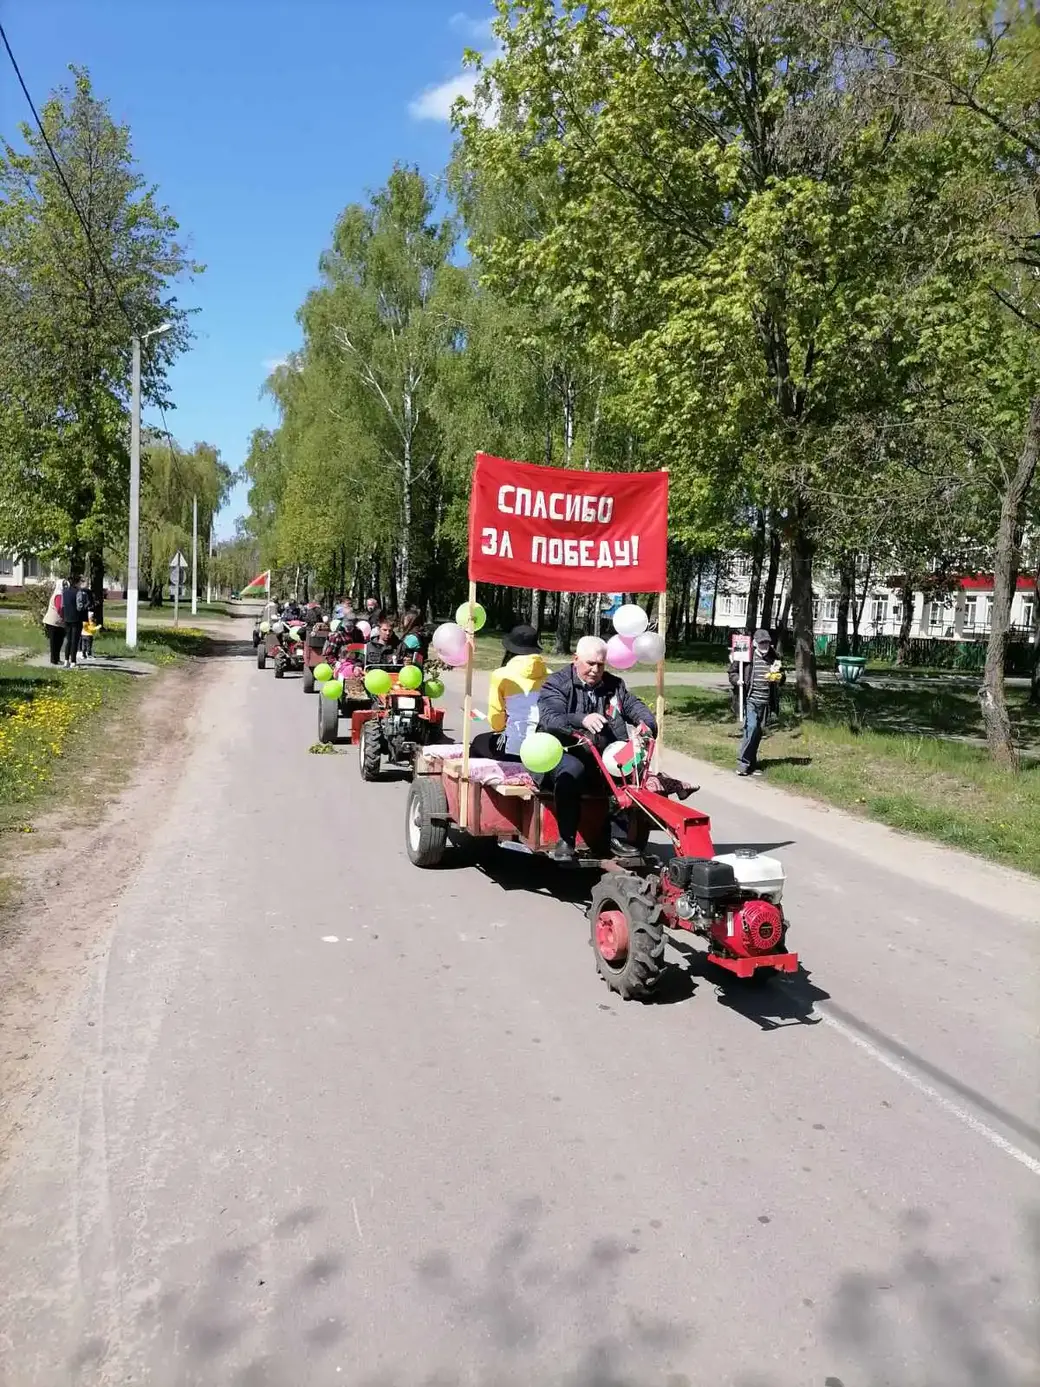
[[272, 364], [435, 103]]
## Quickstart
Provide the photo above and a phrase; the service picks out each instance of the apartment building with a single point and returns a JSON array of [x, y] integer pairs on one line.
[[962, 615]]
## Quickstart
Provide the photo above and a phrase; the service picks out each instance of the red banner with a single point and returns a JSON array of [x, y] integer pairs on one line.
[[564, 531]]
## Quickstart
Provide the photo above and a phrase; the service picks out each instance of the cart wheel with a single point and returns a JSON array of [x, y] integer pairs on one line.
[[627, 936], [279, 667], [261, 656], [308, 679], [257, 638], [425, 840], [328, 720], [370, 750]]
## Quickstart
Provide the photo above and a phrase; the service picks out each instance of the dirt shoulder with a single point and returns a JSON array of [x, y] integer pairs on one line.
[[68, 874]]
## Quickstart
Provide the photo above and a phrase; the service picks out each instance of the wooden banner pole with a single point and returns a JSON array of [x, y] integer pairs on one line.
[[662, 630], [467, 714]]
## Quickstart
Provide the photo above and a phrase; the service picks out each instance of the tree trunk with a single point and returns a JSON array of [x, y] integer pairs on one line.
[[758, 555], [772, 573], [692, 625], [802, 609], [564, 622], [1005, 568], [857, 613], [96, 577], [1034, 678], [715, 587], [846, 597], [906, 619]]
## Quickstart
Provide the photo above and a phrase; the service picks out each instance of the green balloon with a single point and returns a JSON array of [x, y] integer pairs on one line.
[[479, 615], [378, 682], [322, 672], [433, 688], [541, 752], [410, 677], [332, 688]]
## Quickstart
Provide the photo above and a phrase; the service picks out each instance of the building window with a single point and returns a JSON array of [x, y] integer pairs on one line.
[[830, 609], [6, 565], [897, 611], [971, 613], [1028, 611], [935, 614], [879, 611], [31, 567], [742, 566]]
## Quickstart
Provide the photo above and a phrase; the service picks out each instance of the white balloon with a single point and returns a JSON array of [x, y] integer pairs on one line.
[[630, 620], [449, 637], [649, 648]]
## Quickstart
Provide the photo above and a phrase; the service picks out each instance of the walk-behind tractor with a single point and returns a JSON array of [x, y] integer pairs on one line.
[[314, 653], [401, 722], [731, 900], [283, 645], [343, 692]]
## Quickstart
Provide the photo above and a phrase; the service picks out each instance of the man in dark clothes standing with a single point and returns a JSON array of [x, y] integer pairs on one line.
[[762, 677], [584, 698], [75, 607]]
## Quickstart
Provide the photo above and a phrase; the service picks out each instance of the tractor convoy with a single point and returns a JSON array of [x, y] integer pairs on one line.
[[654, 859]]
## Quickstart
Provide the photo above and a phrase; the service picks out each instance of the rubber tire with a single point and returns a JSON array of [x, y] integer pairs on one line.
[[261, 656], [638, 976], [425, 842], [328, 720], [309, 684], [370, 750], [279, 668]]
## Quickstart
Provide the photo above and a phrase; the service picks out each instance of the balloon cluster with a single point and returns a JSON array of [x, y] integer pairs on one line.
[[633, 643], [451, 641]]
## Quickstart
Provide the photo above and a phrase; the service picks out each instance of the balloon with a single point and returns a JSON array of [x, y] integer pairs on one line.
[[364, 628], [620, 654], [412, 641], [322, 672], [433, 688], [649, 648], [378, 682], [410, 677], [479, 615], [630, 621], [541, 752], [448, 636], [332, 688], [455, 657]]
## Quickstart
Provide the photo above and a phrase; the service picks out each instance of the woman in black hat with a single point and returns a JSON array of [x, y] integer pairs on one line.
[[513, 697]]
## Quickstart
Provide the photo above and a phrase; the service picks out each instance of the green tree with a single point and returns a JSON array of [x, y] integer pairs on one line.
[[65, 355]]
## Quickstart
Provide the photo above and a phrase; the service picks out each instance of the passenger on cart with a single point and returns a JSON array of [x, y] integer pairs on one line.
[[383, 646], [513, 697]]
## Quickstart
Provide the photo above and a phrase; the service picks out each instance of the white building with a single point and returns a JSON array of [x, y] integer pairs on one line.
[[963, 615], [17, 573]]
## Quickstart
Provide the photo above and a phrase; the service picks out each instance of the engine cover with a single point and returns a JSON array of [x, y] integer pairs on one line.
[[702, 878], [757, 927]]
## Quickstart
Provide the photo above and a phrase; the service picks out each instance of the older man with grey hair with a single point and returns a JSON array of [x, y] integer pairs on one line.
[[584, 699]]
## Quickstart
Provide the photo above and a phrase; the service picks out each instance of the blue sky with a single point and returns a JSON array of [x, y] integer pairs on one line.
[[259, 121]]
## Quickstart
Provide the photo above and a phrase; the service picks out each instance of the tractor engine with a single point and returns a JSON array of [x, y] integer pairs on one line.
[[733, 899]]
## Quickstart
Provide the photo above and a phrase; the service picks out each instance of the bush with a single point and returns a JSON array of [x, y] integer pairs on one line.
[[36, 600]]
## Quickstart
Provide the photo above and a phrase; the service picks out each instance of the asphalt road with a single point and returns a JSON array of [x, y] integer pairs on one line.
[[323, 1118]]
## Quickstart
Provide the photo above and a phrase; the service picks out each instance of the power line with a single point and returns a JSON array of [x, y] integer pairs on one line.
[[64, 181]]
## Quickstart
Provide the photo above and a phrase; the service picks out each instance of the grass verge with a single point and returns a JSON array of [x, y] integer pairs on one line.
[[161, 645], [894, 755]]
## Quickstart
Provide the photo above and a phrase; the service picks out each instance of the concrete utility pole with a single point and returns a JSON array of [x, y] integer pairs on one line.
[[194, 556], [132, 576], [209, 565]]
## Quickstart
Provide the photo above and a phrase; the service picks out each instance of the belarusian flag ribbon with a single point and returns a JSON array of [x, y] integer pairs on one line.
[[630, 757]]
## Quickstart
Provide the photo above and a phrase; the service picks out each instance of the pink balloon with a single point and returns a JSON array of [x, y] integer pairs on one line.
[[620, 654], [457, 655], [364, 628]]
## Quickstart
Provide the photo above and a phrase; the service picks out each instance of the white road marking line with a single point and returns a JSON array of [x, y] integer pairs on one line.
[[357, 1221], [940, 1099], [330, 938]]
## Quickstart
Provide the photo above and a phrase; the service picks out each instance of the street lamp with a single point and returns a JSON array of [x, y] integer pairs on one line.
[[135, 485]]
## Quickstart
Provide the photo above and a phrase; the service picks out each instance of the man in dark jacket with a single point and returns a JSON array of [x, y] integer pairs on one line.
[[762, 677], [382, 648], [75, 607], [584, 699]]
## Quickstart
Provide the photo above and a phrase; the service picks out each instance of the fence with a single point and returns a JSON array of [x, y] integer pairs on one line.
[[969, 657]]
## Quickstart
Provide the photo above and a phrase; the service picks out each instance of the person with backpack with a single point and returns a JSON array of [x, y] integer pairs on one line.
[[75, 608]]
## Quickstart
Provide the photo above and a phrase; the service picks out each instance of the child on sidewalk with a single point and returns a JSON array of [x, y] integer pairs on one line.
[[86, 640]]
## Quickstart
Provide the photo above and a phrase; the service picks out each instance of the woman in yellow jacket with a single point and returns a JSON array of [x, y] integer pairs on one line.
[[513, 697]]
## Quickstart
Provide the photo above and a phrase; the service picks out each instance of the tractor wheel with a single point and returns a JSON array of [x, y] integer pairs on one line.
[[425, 840], [279, 667], [370, 750], [627, 936], [308, 679], [261, 656], [328, 720]]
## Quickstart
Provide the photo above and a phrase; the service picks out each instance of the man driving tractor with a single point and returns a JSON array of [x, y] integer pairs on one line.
[[382, 648]]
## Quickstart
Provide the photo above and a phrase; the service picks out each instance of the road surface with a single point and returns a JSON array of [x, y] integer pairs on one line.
[[321, 1118]]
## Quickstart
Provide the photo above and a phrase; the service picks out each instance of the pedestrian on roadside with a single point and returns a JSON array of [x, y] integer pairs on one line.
[[75, 606], [54, 624], [763, 677], [86, 641]]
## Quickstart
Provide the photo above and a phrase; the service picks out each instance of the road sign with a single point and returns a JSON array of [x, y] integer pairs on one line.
[[178, 562]]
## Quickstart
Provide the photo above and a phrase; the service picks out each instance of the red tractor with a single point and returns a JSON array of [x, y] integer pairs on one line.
[[732, 901], [398, 726], [283, 644]]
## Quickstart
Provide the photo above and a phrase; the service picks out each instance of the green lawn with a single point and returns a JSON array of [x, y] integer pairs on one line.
[[893, 755], [158, 644]]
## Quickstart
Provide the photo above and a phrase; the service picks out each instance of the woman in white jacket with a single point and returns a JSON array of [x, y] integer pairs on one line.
[[54, 624]]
